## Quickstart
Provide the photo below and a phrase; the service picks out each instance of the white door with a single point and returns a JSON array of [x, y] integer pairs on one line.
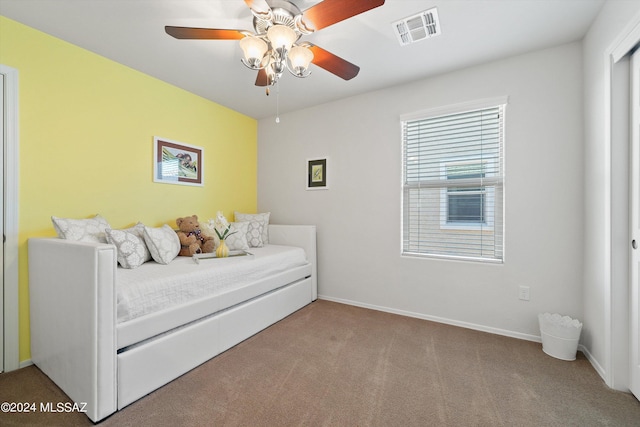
[[9, 161], [2, 132], [635, 227]]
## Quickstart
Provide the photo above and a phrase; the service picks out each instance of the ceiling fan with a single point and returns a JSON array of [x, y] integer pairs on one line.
[[276, 46]]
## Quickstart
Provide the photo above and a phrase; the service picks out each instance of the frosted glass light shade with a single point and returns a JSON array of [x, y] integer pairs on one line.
[[254, 49], [281, 36], [300, 58]]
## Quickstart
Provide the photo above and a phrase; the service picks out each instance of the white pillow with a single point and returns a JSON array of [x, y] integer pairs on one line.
[[238, 241], [262, 218], [163, 243], [254, 234], [132, 250], [83, 230]]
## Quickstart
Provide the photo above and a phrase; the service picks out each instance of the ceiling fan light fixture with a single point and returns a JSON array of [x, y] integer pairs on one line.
[[281, 37], [276, 68], [278, 26], [300, 57], [254, 49]]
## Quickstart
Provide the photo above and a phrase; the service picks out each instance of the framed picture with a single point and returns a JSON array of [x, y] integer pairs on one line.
[[317, 174], [177, 163]]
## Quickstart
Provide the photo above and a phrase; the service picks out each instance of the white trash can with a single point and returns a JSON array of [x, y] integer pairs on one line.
[[560, 335]]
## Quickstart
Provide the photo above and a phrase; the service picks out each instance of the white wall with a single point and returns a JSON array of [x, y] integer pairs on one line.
[[358, 218], [605, 289]]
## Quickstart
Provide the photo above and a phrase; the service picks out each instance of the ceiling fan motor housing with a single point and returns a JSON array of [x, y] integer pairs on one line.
[[282, 13]]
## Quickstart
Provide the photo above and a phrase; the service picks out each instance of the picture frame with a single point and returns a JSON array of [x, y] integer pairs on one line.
[[177, 163], [317, 174]]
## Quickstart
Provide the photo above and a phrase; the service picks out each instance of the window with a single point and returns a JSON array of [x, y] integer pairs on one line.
[[465, 205], [453, 182]]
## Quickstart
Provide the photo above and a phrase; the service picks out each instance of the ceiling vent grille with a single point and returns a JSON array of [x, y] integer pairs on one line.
[[417, 27]]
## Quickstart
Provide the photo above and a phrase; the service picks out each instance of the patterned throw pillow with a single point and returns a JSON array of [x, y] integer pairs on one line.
[[163, 243], [238, 241], [254, 234], [83, 230], [132, 250], [262, 218]]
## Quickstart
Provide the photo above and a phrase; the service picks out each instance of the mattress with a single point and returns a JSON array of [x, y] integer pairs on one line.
[[153, 287]]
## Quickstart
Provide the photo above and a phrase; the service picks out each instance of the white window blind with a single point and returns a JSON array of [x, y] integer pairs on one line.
[[453, 178]]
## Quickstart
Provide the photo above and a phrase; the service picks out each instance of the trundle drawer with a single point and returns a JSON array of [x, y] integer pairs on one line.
[[149, 366]]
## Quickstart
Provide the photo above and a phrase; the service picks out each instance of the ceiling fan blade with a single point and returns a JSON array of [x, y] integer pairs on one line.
[[259, 7], [333, 63], [262, 79], [204, 33], [329, 12]]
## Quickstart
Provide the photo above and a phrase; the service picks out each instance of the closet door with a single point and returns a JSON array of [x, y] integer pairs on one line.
[[2, 284], [634, 308]]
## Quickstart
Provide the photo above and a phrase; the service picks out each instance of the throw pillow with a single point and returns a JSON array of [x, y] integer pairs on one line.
[[163, 243], [84, 230], [254, 234], [238, 241], [132, 250], [262, 218]]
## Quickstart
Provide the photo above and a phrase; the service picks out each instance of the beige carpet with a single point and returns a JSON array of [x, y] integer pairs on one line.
[[331, 364]]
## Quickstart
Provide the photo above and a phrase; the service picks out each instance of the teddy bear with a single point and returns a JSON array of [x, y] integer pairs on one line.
[[192, 240]]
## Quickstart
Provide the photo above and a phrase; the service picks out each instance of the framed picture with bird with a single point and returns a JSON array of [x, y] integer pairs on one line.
[[317, 174]]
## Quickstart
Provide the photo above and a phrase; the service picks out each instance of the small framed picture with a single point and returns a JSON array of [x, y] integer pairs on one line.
[[317, 174], [177, 163]]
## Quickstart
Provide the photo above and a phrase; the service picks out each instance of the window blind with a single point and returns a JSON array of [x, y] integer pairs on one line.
[[453, 179]]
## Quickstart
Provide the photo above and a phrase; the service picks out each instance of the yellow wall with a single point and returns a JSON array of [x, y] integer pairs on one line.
[[86, 127]]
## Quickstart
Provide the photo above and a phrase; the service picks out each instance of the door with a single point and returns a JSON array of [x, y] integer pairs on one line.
[[9, 161], [2, 133], [634, 309]]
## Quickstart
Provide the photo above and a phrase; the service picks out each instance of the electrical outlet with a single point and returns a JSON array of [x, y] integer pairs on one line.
[[523, 293]]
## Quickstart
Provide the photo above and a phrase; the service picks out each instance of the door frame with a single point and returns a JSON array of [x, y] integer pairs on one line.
[[11, 357]]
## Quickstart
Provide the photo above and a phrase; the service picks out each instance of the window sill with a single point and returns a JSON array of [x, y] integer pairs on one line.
[[471, 226]]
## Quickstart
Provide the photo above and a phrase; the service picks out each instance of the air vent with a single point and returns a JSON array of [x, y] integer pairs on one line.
[[417, 27]]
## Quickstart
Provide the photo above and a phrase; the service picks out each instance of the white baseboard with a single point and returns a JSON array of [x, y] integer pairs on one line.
[[25, 363], [482, 328], [598, 368], [527, 337]]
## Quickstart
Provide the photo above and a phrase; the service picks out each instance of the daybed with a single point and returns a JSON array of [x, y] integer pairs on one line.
[[106, 355]]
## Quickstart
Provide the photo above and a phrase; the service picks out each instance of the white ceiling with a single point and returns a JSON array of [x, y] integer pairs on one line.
[[131, 32]]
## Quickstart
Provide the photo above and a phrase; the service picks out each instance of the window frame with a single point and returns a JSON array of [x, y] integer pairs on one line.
[[489, 182], [488, 192]]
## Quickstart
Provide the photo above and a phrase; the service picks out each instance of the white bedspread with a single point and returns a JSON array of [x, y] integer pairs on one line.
[[152, 287]]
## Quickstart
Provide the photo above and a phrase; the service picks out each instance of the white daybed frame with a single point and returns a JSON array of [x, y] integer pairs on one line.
[[73, 316]]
